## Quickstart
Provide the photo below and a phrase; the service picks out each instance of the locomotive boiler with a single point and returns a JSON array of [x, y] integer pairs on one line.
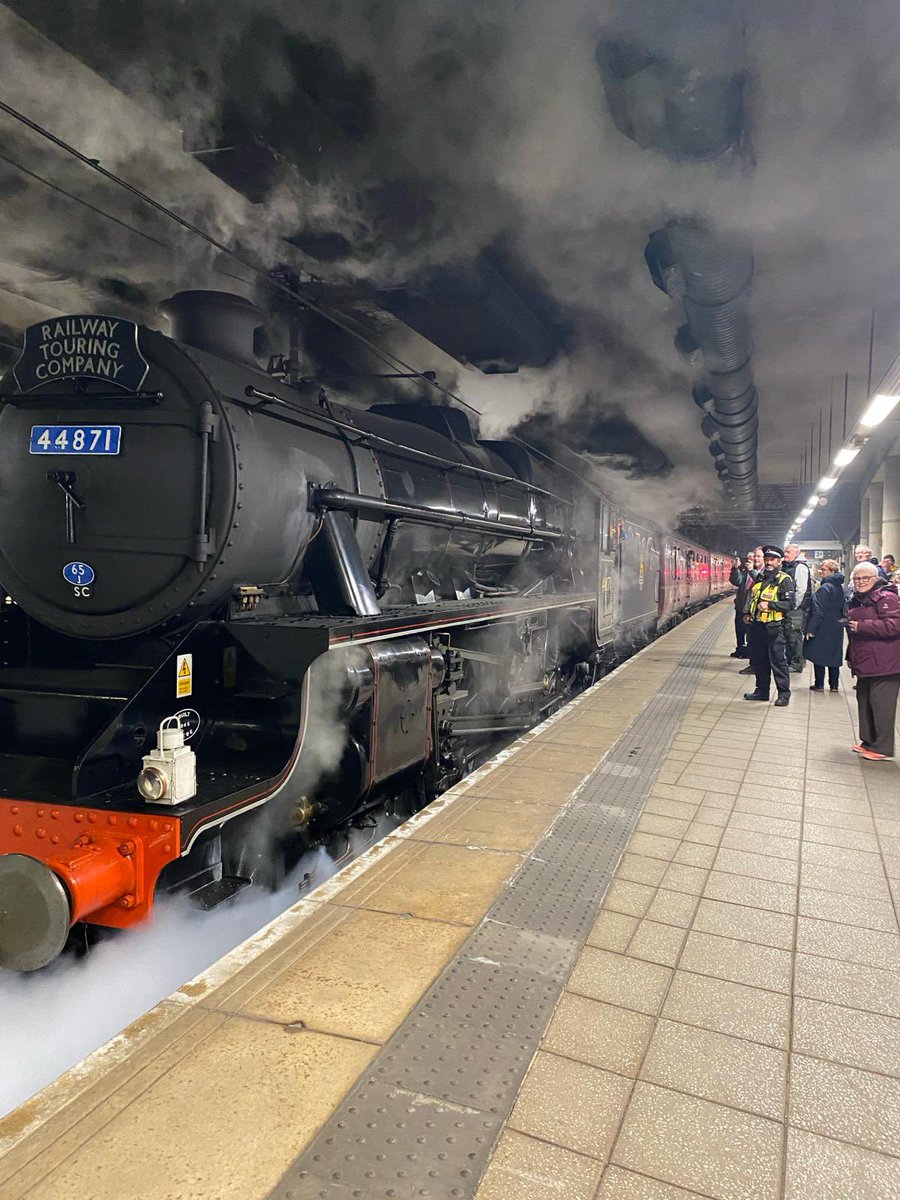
[[239, 614]]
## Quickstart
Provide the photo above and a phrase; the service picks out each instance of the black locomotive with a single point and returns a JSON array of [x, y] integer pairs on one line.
[[238, 615]]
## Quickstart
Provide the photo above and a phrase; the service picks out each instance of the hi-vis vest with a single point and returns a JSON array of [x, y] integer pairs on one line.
[[766, 590]]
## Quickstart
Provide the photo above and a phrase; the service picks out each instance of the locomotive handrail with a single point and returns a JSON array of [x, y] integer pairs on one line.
[[335, 498], [363, 435]]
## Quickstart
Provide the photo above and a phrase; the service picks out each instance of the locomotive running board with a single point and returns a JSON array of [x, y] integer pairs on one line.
[[427, 618]]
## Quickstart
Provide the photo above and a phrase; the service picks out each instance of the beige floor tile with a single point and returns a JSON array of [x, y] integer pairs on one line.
[[571, 1104], [612, 931], [600, 1034], [523, 1168], [754, 893], [746, 924], [845, 1103], [844, 879], [361, 979], [715, 1066], [671, 791], [494, 828], [653, 846], [871, 989], [670, 808], [252, 1075], [870, 947], [844, 858], [847, 1035], [712, 765], [756, 866], [834, 801], [637, 868], [519, 782], [769, 802], [699, 1145], [670, 772], [759, 823], [676, 755], [761, 843], [440, 882], [741, 962], [712, 814], [617, 979], [626, 1185], [846, 839], [818, 787], [840, 819], [704, 833], [657, 943], [674, 827], [731, 1008], [672, 908], [694, 854], [848, 910], [681, 877], [821, 1169], [633, 899], [545, 757], [710, 783]]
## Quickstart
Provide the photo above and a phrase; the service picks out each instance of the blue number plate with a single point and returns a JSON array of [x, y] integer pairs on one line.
[[75, 439]]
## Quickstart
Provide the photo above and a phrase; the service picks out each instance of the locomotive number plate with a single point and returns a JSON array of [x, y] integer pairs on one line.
[[75, 439]]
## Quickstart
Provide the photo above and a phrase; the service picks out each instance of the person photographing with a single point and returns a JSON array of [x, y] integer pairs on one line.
[[769, 599]]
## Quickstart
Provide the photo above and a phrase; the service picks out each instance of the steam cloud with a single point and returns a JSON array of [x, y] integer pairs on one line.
[[486, 123]]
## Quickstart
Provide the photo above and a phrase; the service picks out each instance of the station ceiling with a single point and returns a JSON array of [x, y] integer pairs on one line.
[[452, 178]]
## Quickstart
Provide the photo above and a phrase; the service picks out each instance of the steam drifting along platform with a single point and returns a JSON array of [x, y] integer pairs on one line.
[[454, 1015]]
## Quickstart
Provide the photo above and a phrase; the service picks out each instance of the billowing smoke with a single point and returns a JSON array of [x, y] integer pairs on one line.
[[422, 134]]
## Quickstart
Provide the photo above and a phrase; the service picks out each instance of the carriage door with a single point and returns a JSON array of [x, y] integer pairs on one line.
[[606, 608]]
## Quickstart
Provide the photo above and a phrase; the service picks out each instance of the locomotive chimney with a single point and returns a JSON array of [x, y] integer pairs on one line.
[[218, 322]]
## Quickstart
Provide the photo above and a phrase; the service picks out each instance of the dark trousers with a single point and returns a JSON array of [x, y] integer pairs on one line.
[[876, 699], [834, 674], [794, 626], [740, 630], [767, 657]]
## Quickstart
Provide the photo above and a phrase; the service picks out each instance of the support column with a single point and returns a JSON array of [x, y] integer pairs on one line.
[[890, 529], [863, 539], [876, 506]]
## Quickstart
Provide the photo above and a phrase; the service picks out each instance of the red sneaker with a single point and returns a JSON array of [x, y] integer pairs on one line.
[[872, 755], [858, 748]]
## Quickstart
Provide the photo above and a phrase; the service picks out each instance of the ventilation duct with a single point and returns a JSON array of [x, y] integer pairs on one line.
[[691, 108], [712, 280]]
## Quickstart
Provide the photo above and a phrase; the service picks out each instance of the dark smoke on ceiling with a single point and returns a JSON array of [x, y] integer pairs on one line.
[[391, 143], [609, 440]]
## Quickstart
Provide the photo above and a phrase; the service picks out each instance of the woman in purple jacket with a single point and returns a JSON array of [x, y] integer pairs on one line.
[[873, 654]]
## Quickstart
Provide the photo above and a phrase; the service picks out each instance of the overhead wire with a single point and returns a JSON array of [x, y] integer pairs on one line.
[[389, 358]]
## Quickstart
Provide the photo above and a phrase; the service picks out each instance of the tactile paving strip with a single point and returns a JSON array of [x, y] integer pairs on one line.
[[422, 1122]]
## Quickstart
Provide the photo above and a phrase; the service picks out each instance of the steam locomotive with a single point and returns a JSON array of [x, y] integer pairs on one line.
[[238, 615]]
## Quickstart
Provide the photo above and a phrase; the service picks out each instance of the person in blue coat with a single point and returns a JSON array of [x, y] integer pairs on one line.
[[825, 631]]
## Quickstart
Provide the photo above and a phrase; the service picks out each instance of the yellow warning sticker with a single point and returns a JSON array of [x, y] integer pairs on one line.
[[184, 675]]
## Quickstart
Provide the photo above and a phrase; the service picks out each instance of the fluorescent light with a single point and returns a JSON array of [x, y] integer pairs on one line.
[[812, 502], [845, 455], [827, 483], [879, 408]]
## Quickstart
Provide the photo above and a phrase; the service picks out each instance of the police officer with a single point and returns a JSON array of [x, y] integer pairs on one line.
[[771, 596]]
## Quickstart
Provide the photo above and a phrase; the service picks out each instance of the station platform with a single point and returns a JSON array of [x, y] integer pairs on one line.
[[651, 952]]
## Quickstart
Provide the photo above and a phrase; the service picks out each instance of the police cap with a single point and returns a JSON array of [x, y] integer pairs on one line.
[[772, 552]]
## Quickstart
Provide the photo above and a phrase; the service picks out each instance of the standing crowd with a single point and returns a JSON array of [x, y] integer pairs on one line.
[[786, 616]]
